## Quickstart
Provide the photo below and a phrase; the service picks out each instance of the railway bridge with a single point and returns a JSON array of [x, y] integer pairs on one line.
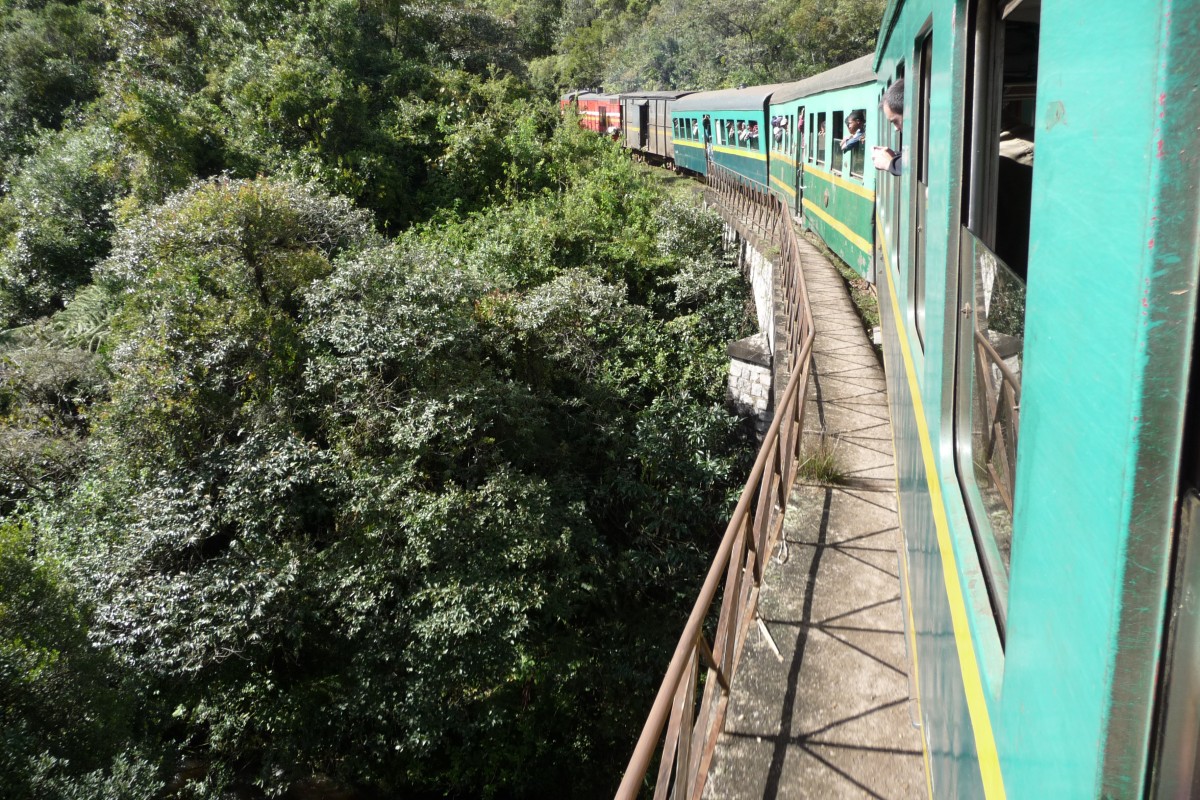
[[792, 676]]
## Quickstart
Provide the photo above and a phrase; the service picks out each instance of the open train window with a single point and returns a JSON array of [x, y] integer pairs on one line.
[[887, 186], [992, 268], [920, 192], [812, 140], [821, 138], [858, 152], [835, 154]]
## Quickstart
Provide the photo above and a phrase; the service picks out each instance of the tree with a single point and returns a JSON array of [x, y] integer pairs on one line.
[[61, 211], [51, 56]]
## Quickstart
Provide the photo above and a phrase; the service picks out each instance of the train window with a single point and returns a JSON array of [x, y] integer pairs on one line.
[[821, 138], [920, 194], [858, 151], [835, 155], [992, 266], [812, 140]]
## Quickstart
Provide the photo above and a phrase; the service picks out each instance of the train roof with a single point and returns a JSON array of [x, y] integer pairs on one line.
[[852, 73], [748, 99], [591, 95], [670, 95]]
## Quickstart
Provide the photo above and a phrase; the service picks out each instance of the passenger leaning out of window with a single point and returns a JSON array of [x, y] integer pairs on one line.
[[885, 158], [856, 123]]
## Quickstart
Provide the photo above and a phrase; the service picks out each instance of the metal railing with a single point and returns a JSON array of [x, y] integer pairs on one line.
[[1000, 402], [693, 712]]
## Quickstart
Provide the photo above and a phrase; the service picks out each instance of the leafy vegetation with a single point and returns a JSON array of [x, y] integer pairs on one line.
[[627, 45], [361, 423]]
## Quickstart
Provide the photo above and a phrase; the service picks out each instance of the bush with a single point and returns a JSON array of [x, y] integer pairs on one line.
[[62, 213]]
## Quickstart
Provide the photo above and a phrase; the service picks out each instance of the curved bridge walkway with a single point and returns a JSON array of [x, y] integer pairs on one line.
[[820, 706]]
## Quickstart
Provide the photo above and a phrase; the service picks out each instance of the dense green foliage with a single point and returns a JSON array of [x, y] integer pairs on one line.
[[361, 422], [627, 45]]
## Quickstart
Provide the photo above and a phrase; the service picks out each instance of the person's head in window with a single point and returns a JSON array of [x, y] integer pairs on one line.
[[885, 158], [893, 104], [856, 125]]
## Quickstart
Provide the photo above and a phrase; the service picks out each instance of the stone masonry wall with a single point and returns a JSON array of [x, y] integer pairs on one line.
[[750, 389]]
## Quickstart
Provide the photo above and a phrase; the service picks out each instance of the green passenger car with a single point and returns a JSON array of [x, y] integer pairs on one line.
[[833, 190], [1038, 273], [729, 126]]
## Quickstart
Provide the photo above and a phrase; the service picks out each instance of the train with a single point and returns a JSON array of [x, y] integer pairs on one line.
[[1036, 260]]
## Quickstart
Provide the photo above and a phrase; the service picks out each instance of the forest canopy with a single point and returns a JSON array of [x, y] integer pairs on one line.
[[361, 418]]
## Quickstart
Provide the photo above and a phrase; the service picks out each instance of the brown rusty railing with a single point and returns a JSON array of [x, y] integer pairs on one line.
[[693, 714], [1000, 402]]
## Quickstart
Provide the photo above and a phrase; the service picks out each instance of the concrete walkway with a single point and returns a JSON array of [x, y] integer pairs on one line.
[[820, 705]]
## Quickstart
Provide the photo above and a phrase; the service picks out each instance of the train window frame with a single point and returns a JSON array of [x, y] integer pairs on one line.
[[990, 329], [918, 168], [821, 136], [858, 154], [811, 149], [890, 184], [835, 149]]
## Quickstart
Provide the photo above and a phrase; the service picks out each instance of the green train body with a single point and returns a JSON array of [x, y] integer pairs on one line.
[[730, 127], [1037, 265], [1037, 262], [833, 191]]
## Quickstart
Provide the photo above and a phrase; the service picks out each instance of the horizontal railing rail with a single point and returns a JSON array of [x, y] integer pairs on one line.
[[688, 714]]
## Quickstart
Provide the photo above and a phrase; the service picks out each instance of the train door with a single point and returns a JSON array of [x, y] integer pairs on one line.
[[644, 124], [796, 153]]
